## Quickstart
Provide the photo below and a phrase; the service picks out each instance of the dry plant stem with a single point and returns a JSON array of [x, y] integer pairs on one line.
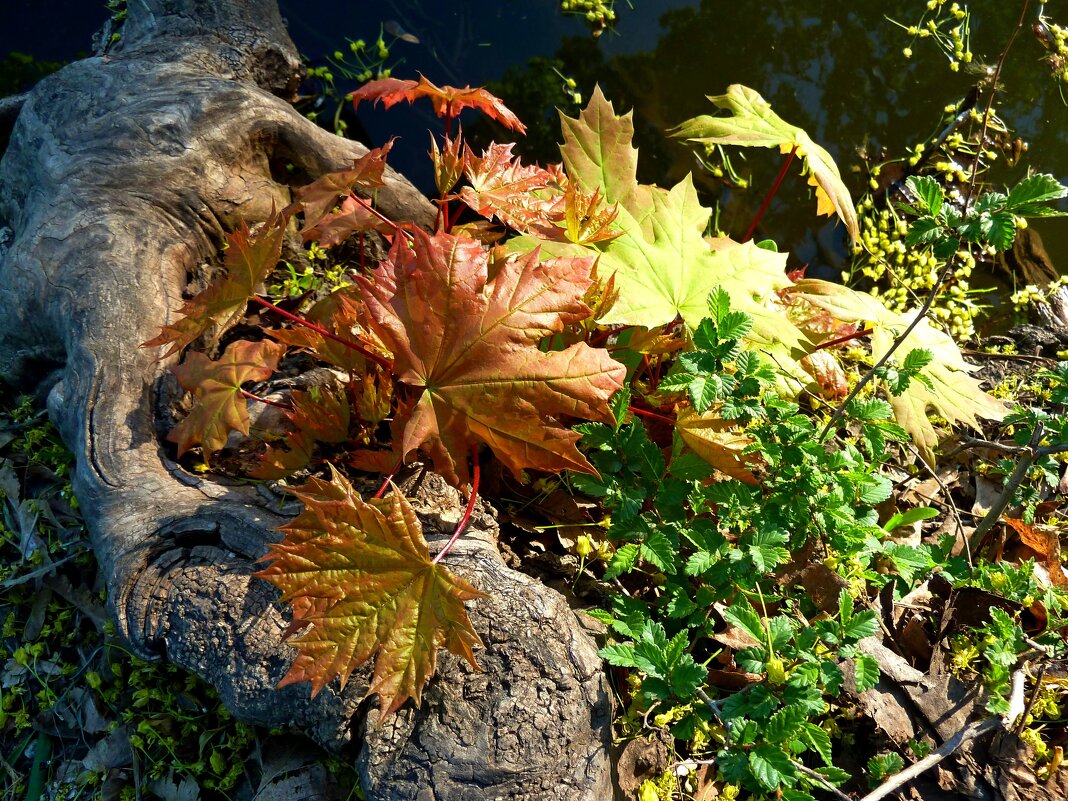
[[899, 780], [771, 193], [715, 711], [1022, 720], [948, 502], [1027, 458], [475, 475], [348, 343]]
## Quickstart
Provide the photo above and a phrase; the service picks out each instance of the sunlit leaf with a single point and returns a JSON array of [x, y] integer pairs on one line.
[[320, 196], [752, 123], [467, 346], [503, 187], [446, 100], [219, 406], [719, 442], [361, 584], [248, 260], [954, 394]]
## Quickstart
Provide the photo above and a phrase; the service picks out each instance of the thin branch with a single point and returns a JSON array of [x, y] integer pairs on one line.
[[990, 104], [821, 780], [951, 261], [1012, 483], [899, 780]]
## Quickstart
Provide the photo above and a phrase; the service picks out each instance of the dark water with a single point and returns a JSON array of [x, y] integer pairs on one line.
[[835, 69]]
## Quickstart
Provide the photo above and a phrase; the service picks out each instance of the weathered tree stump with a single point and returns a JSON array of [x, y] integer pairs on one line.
[[122, 175]]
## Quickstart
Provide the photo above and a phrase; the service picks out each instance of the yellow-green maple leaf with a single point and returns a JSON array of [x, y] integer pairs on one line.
[[752, 123], [954, 395], [360, 580]]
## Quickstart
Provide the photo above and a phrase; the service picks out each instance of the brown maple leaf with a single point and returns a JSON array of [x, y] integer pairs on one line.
[[220, 407], [248, 260], [447, 100], [320, 196], [352, 217], [360, 580], [468, 347]]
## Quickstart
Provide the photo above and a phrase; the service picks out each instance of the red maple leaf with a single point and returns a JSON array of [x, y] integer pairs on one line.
[[447, 100], [518, 195], [469, 348]]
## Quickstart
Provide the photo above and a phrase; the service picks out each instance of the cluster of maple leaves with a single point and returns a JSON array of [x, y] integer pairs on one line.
[[458, 340]]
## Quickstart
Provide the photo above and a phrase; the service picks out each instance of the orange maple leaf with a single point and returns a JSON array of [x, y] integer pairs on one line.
[[468, 347], [516, 194], [320, 196], [249, 259], [447, 100], [360, 580], [220, 408]]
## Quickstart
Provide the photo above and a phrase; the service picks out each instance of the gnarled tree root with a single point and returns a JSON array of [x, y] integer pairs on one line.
[[122, 175]]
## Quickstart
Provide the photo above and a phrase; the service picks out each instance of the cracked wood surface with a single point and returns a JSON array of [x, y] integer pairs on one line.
[[122, 175]]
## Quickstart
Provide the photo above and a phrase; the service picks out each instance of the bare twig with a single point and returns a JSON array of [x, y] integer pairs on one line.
[[899, 780], [1012, 483], [990, 104], [715, 711], [821, 780]]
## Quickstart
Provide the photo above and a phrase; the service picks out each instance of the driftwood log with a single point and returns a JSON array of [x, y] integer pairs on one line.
[[121, 177]]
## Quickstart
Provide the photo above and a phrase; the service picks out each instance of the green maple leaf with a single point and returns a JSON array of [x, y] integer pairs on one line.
[[753, 124], [950, 390], [361, 582], [249, 259], [216, 385], [598, 155], [663, 265], [468, 348]]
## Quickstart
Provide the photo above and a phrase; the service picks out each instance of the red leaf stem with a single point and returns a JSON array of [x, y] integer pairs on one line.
[[250, 396], [385, 483], [831, 343], [348, 343], [475, 475], [651, 415], [771, 193]]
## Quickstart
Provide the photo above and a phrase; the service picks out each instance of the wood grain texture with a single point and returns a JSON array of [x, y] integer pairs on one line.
[[122, 175]]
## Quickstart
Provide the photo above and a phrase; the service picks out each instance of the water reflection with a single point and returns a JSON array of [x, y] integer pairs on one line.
[[837, 72]]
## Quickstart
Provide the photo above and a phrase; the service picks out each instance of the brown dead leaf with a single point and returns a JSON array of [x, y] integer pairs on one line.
[[1045, 542]]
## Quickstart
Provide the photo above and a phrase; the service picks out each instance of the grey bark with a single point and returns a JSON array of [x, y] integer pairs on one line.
[[122, 176]]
